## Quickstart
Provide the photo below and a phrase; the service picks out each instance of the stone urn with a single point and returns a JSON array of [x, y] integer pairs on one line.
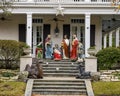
[[27, 51], [92, 52]]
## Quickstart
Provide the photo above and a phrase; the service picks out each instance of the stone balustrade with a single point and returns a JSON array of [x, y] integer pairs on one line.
[[62, 1]]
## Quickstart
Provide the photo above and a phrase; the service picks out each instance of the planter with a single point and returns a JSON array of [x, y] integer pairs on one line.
[[92, 52], [27, 51]]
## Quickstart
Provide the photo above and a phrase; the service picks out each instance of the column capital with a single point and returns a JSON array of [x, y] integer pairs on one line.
[[29, 13], [88, 14]]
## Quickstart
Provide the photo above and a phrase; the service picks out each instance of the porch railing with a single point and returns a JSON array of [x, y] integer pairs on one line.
[[62, 1]]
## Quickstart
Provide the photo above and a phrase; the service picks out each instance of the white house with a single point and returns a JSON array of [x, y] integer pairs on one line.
[[92, 20]]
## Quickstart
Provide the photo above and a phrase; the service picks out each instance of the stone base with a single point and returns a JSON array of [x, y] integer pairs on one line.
[[91, 64], [24, 60]]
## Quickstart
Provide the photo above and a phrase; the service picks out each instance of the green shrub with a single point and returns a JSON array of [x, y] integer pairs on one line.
[[10, 52], [108, 57]]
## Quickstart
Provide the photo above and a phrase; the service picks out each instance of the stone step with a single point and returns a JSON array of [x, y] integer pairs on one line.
[[59, 91], [59, 65], [58, 87], [60, 74], [47, 60], [60, 68], [59, 82], [60, 71]]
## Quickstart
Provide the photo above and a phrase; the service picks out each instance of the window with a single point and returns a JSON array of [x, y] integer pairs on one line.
[[37, 20], [77, 21]]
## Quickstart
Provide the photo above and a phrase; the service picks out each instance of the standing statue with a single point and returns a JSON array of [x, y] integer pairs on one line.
[[39, 50], [75, 43], [65, 47], [48, 47], [80, 52]]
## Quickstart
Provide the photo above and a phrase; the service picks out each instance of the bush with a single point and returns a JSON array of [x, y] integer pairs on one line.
[[108, 57], [22, 45], [10, 52]]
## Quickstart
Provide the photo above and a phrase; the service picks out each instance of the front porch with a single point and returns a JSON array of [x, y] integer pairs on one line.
[[87, 30], [32, 28]]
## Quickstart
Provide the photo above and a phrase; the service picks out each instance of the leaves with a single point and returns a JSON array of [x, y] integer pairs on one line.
[[108, 57], [10, 52]]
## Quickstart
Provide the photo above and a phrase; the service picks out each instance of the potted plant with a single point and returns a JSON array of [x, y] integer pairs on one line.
[[92, 51], [26, 49]]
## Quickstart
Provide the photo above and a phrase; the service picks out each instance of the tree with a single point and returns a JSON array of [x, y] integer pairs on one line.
[[6, 7]]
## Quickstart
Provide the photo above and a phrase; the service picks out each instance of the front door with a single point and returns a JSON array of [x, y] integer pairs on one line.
[[66, 30], [46, 31], [37, 36]]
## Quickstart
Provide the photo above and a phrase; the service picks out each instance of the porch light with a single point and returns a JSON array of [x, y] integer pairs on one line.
[[56, 30]]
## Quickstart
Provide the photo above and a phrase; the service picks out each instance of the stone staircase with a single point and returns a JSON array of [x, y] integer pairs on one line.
[[63, 68], [59, 80], [59, 87]]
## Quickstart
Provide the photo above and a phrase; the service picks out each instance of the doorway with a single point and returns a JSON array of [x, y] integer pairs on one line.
[[37, 36], [66, 31], [46, 31]]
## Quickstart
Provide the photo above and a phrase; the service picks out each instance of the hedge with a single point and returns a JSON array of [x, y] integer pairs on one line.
[[108, 57]]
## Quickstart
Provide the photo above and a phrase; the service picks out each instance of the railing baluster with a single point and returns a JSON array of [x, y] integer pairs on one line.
[[62, 1]]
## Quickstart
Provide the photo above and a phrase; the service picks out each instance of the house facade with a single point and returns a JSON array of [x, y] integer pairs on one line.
[[93, 21]]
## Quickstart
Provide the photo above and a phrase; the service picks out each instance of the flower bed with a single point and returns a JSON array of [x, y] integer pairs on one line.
[[8, 75]]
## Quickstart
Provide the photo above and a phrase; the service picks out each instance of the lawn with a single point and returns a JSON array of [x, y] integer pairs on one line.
[[99, 88], [106, 88], [12, 88]]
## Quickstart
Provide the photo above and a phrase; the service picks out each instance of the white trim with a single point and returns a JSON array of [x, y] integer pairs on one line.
[[117, 37], [87, 33], [29, 30], [110, 39]]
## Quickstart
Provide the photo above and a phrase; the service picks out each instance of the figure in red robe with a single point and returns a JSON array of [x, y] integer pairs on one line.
[[65, 47], [75, 43], [57, 52]]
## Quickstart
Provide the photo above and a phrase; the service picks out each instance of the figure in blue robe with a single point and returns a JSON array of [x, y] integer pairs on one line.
[[48, 47]]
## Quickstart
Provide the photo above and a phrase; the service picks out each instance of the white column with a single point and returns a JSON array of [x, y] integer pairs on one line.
[[117, 37], [29, 30], [110, 39], [105, 40], [87, 0], [29, 0], [87, 33]]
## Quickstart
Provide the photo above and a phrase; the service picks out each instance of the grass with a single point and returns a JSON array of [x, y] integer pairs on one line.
[[106, 88], [12, 88], [99, 88]]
